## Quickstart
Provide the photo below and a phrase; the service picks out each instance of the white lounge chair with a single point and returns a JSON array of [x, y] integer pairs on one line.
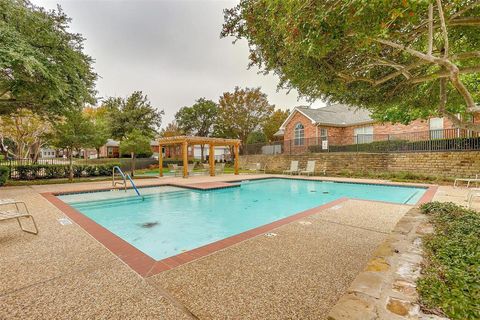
[[293, 168], [16, 214], [310, 169], [255, 167], [467, 180]]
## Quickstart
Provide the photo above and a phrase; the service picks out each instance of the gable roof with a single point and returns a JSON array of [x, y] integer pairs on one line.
[[338, 115]]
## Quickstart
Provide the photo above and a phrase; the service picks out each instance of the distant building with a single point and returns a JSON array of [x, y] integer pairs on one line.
[[111, 149], [47, 153]]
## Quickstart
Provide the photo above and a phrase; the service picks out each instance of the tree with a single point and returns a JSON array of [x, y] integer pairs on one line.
[[42, 65], [73, 132], [256, 137], [402, 60], [100, 130], [198, 120], [134, 143], [273, 123], [242, 112], [171, 130], [133, 113], [28, 131]]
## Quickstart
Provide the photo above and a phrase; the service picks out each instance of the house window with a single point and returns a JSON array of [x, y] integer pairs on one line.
[[324, 138], [324, 134], [299, 134], [436, 128], [363, 134]]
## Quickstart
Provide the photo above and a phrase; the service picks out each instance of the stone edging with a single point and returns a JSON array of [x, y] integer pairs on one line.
[[386, 288]]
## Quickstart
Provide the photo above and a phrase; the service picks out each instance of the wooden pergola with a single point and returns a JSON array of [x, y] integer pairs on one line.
[[185, 141]]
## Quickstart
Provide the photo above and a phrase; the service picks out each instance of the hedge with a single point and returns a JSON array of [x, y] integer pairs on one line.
[[450, 281], [48, 171], [4, 173]]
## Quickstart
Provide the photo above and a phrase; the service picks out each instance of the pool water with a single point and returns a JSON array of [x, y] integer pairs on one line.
[[168, 223]]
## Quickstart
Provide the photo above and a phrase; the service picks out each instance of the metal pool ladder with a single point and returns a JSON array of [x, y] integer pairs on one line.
[[124, 182]]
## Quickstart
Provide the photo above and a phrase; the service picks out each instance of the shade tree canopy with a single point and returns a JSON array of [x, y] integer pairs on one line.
[[198, 119], [241, 112], [402, 60], [135, 143], [73, 132], [273, 123], [42, 65], [27, 131], [132, 113]]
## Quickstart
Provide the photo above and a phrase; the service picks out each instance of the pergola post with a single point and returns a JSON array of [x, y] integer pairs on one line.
[[235, 148], [211, 159], [185, 159], [160, 160]]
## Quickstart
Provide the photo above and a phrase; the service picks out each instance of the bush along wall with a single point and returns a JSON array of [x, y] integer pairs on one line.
[[47, 171], [450, 282], [4, 173]]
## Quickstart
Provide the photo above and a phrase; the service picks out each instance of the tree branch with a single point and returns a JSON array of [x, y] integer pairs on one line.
[[465, 9], [444, 28], [443, 95], [444, 74], [430, 28], [467, 21], [461, 124]]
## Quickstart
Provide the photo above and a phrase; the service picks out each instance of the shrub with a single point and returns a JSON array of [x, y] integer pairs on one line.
[[91, 171], [451, 276], [44, 171], [4, 173], [55, 171]]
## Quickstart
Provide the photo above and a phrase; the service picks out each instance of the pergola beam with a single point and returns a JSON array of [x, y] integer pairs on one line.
[[185, 141]]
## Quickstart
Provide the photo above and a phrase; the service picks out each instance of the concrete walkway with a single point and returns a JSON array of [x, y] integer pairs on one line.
[[64, 273]]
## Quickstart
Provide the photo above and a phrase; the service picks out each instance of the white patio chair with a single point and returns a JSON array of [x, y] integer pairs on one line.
[[467, 180], [293, 168], [190, 168], [219, 168], [174, 168], [310, 169], [16, 214]]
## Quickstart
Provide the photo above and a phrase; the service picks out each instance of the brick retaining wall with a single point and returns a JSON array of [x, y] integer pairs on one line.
[[447, 164]]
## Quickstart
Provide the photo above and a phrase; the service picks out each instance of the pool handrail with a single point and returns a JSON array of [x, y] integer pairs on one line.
[[124, 177]]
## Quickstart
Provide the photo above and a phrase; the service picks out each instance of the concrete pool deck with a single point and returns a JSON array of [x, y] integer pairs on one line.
[[64, 273]]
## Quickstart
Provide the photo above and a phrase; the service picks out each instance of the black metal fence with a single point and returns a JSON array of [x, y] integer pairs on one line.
[[423, 141], [22, 169]]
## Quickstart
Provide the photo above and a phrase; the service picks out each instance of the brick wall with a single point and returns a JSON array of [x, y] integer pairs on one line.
[[447, 164]]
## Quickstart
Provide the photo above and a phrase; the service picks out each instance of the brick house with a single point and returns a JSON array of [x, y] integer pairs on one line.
[[338, 124]]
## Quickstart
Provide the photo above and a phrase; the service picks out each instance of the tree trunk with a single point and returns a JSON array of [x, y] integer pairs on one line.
[[70, 156], [202, 157], [133, 165]]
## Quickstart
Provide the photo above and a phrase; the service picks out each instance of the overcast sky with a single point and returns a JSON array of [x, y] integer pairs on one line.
[[170, 50]]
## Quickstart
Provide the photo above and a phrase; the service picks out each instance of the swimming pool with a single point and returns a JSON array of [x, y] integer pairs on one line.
[[177, 220]]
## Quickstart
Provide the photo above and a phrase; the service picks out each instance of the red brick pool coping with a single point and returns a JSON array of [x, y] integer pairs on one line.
[[146, 266]]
